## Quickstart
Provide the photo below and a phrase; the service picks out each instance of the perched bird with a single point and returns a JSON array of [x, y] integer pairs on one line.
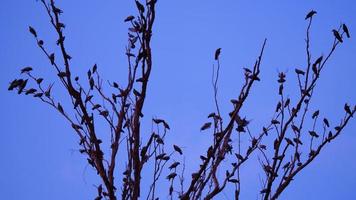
[[315, 114], [178, 149], [30, 91], [51, 58], [299, 71], [313, 134], [62, 74], [129, 18], [26, 69], [318, 61], [171, 175], [217, 53], [295, 128], [205, 126], [174, 165], [289, 141], [279, 105], [140, 7], [22, 86], [239, 156], [326, 122], [32, 31], [346, 30], [310, 14], [347, 109], [337, 35], [95, 67], [39, 80], [14, 84], [96, 106], [297, 141], [48, 91], [315, 69], [38, 95], [60, 108]]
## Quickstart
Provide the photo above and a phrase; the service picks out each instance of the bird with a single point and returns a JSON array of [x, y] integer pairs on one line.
[[129, 18], [239, 156], [315, 114], [32, 31], [295, 128], [299, 71], [60, 108], [95, 67], [289, 141], [171, 175], [337, 35], [30, 91], [217, 53], [346, 30], [22, 86], [14, 84], [48, 91], [205, 126], [174, 165], [347, 109], [140, 7], [26, 69], [51, 58], [39, 80], [318, 61], [178, 149], [313, 134], [310, 14], [326, 122]]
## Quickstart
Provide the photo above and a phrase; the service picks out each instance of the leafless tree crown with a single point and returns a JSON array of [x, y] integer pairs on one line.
[[295, 145]]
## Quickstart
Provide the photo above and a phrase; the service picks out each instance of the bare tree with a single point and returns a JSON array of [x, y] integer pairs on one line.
[[295, 145]]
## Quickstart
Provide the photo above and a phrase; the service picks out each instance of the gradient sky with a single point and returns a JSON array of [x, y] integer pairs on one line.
[[38, 157]]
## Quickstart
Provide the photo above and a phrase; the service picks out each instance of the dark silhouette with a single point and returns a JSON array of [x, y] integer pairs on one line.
[[281, 159]]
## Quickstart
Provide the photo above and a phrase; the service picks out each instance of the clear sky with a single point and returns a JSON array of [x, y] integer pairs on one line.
[[38, 157]]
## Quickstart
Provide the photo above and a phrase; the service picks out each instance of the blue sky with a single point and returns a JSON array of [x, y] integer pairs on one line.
[[38, 147]]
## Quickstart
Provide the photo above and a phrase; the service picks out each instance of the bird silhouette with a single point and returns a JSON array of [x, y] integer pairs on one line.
[[129, 18], [313, 134], [178, 149], [60, 108], [337, 35], [26, 69], [315, 114], [174, 165], [140, 7], [51, 58], [217, 53], [32, 31], [30, 91], [347, 109], [205, 126], [310, 14], [346, 30], [299, 71], [326, 122]]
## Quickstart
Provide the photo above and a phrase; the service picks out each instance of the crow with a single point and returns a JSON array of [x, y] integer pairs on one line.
[[310, 14], [337, 35]]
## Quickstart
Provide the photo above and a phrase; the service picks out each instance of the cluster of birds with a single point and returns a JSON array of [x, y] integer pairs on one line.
[[335, 32]]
